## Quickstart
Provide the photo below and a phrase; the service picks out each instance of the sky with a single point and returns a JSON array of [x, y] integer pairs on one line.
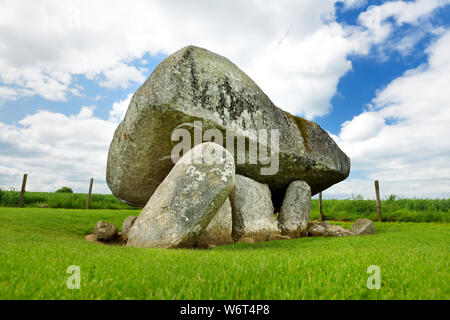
[[374, 74]]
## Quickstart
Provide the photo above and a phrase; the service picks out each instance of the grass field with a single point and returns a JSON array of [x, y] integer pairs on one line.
[[405, 210], [401, 210], [61, 200], [37, 246]]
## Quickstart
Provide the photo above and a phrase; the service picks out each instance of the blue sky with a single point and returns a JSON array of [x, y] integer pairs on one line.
[[13, 111], [370, 73], [352, 66]]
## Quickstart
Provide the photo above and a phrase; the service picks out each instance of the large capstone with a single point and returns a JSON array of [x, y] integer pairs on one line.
[[187, 200], [195, 86], [253, 211]]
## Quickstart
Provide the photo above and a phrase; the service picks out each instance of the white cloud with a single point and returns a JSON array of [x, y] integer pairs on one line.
[[362, 127], [379, 23], [354, 4], [122, 76], [56, 150], [7, 93], [302, 76], [402, 11], [119, 109], [293, 49], [404, 137]]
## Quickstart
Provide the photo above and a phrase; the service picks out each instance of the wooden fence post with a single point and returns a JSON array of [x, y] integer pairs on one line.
[[321, 217], [377, 193], [22, 192], [88, 204]]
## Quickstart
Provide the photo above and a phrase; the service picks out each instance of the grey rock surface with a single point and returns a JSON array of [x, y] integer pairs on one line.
[[324, 229], [363, 226], [105, 231], [186, 201], [195, 84], [218, 231], [253, 211], [325, 224], [294, 213], [126, 226]]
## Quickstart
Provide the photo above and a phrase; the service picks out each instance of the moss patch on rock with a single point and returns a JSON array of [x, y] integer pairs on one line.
[[302, 125]]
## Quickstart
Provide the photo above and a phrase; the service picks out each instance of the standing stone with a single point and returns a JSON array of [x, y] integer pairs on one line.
[[195, 84], [127, 225], [105, 231], [219, 229], [253, 212], [187, 200], [363, 226], [294, 213]]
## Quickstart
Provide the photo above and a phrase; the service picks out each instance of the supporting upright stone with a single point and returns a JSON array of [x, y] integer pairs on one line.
[[187, 200], [253, 211], [294, 213], [127, 225], [219, 229]]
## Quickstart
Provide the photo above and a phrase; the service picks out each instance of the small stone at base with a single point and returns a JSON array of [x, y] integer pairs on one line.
[[90, 237], [278, 237], [246, 240]]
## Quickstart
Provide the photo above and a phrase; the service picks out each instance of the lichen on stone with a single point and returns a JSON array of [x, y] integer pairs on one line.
[[302, 125]]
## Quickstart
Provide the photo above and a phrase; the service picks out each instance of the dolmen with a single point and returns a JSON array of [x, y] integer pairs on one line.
[[213, 161]]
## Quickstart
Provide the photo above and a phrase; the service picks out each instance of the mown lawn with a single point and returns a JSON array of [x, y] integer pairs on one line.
[[37, 246]]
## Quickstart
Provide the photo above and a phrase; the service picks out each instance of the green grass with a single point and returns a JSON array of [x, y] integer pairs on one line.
[[401, 210], [37, 246], [61, 200]]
